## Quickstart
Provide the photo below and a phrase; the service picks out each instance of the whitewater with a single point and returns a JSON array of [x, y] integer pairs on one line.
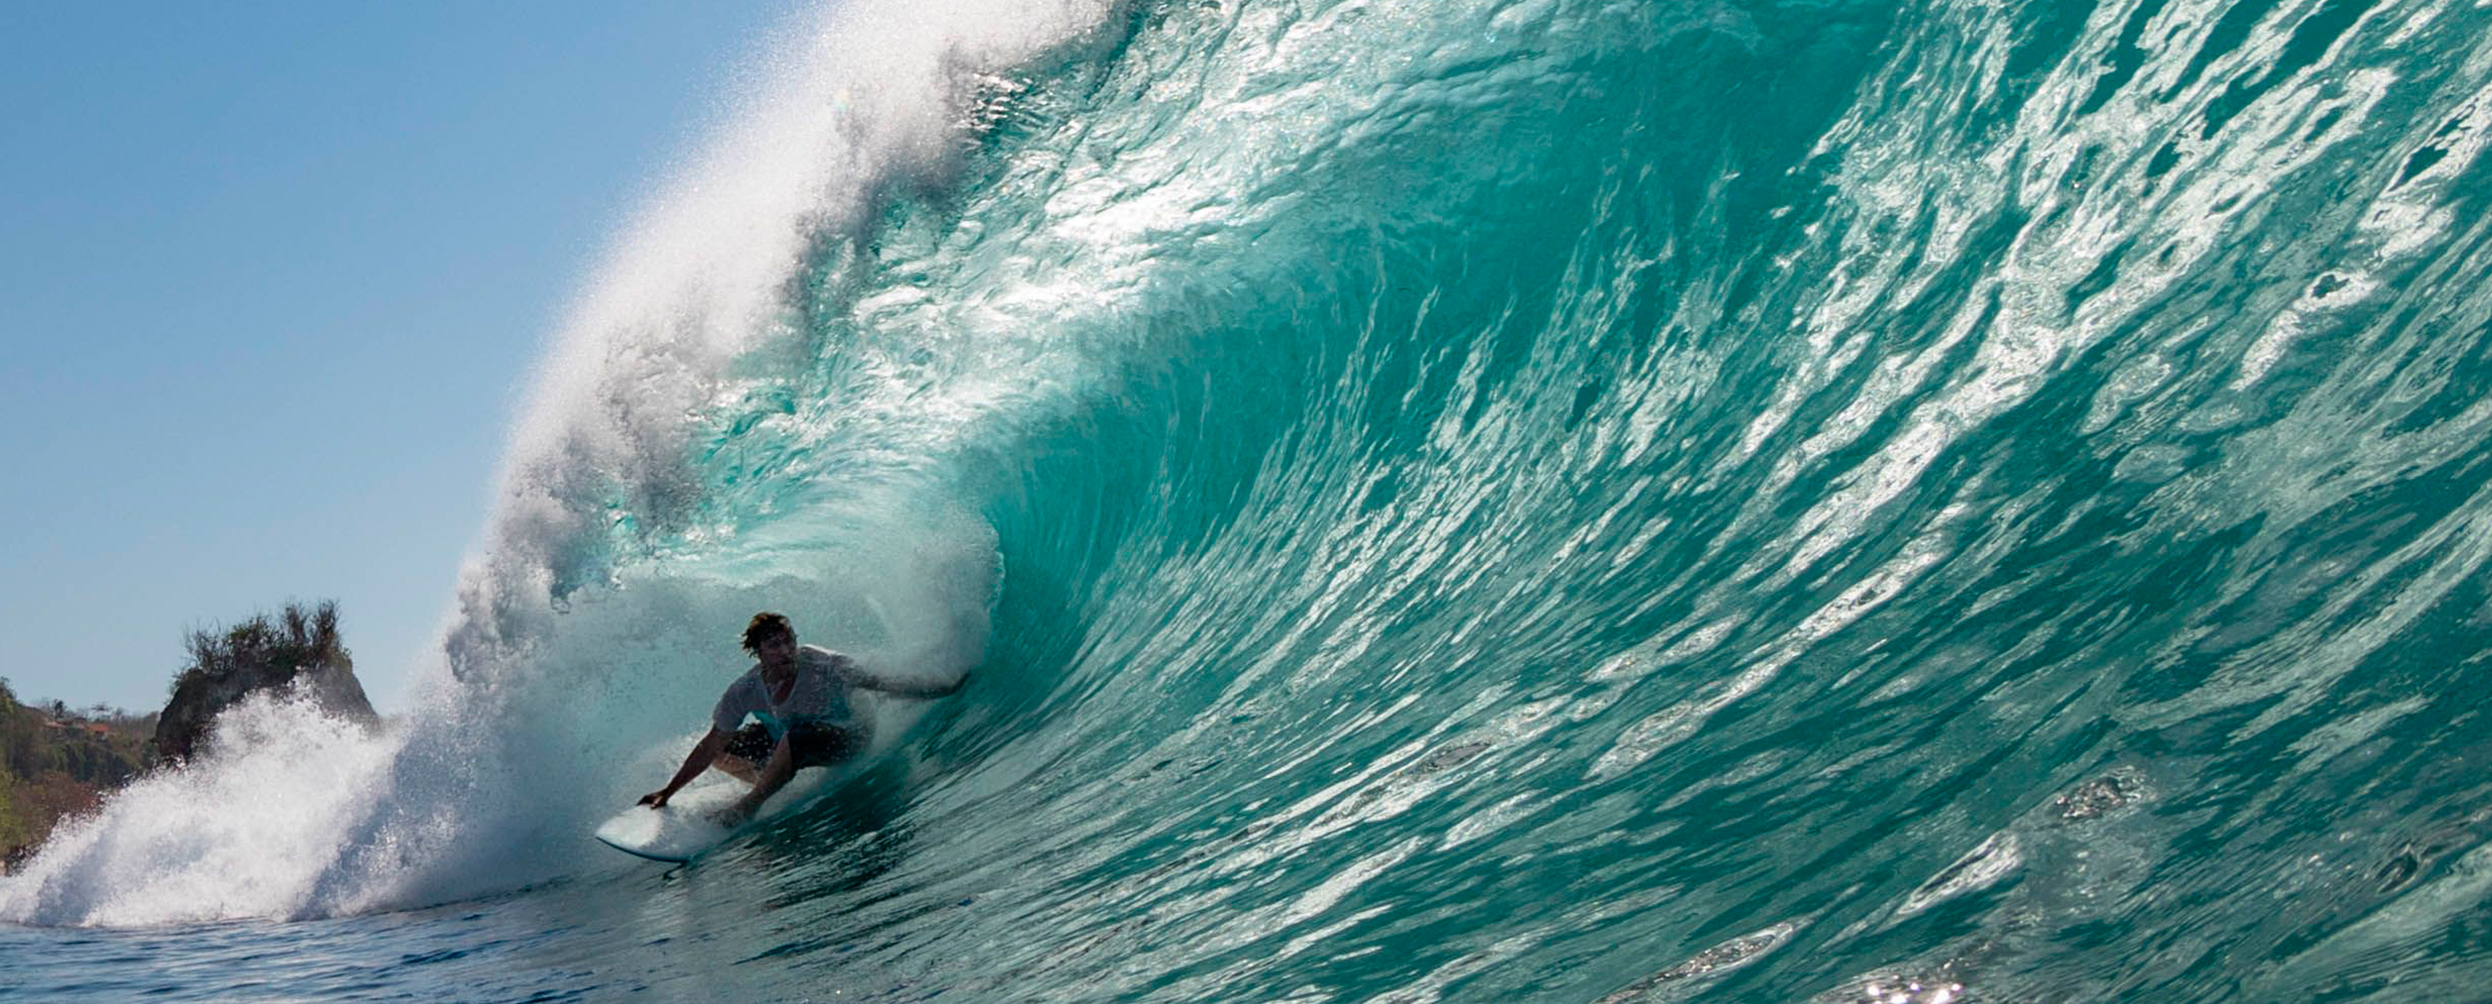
[[1558, 500]]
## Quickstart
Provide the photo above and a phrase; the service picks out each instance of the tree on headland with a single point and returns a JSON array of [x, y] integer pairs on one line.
[[299, 640], [299, 649]]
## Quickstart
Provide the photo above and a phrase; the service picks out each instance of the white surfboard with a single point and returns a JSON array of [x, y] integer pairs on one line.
[[678, 832]]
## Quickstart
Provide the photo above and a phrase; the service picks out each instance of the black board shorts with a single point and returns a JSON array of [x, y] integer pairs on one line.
[[814, 745]]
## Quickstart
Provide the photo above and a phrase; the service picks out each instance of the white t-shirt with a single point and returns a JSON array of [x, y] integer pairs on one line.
[[820, 695]]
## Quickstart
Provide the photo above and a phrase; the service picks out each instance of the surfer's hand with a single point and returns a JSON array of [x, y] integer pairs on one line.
[[656, 799]]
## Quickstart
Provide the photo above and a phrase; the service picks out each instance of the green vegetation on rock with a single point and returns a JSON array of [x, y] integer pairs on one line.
[[298, 651]]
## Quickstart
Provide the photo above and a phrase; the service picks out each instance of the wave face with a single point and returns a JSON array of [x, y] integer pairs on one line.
[[1484, 501]]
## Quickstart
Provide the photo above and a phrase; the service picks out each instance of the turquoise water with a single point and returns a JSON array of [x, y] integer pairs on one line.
[[1571, 501]]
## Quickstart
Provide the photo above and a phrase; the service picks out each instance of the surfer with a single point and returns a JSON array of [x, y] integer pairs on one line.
[[799, 696]]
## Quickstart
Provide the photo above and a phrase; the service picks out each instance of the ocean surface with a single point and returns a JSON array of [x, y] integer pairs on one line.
[[1560, 500]]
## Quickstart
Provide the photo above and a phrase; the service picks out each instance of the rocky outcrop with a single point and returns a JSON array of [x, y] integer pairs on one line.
[[299, 652]]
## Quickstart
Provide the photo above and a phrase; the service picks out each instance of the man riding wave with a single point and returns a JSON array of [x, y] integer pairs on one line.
[[798, 696]]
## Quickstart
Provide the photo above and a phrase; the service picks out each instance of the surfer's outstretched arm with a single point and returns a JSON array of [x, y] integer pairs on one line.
[[699, 760], [869, 681], [858, 676]]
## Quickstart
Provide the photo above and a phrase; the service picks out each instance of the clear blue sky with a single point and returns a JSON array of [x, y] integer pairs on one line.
[[273, 278]]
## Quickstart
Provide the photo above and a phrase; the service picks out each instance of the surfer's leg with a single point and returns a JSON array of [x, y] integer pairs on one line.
[[824, 746], [773, 776], [745, 751], [737, 767]]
